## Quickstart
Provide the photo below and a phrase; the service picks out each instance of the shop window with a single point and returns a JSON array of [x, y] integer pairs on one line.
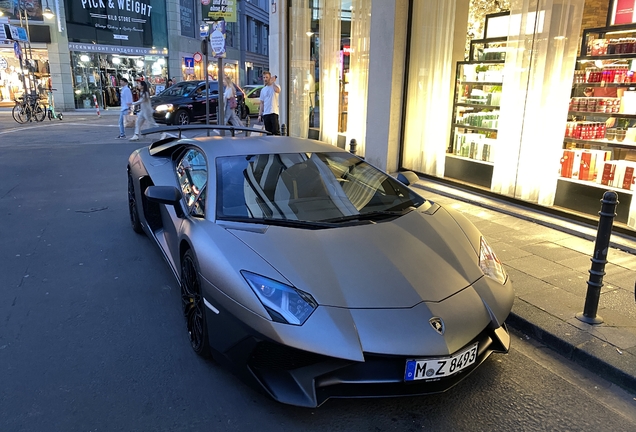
[[265, 40]]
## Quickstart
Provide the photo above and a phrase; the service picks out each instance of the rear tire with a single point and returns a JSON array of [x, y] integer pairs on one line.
[[193, 305], [21, 113]]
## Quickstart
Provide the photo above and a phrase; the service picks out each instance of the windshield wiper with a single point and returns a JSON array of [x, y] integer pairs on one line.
[[373, 215], [281, 222]]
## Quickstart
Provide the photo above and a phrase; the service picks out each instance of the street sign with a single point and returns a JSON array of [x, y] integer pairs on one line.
[[189, 65], [198, 57], [217, 39], [204, 30]]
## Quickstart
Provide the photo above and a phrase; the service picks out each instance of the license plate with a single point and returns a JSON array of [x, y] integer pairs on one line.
[[435, 368]]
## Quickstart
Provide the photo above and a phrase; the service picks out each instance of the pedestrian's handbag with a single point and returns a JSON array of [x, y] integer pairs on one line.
[[130, 120], [260, 126], [231, 102]]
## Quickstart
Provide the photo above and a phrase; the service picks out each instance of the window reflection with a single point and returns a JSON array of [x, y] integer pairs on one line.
[[192, 172]]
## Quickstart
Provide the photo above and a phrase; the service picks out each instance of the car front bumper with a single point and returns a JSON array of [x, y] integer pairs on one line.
[[302, 378]]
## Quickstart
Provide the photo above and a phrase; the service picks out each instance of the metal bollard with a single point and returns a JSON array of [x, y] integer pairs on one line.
[[283, 130], [353, 146], [599, 259]]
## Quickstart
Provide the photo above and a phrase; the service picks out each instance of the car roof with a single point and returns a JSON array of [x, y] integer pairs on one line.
[[219, 146]]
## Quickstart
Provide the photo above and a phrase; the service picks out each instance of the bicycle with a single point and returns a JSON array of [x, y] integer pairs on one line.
[[50, 109], [28, 108]]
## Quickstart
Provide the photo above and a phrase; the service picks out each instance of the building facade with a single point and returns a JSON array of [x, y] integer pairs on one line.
[[85, 48]]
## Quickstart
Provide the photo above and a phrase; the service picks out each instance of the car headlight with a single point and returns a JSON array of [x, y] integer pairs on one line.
[[490, 264], [284, 304], [163, 107]]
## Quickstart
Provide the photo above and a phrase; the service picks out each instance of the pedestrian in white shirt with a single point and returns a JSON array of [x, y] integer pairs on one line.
[[268, 111], [126, 100], [145, 111]]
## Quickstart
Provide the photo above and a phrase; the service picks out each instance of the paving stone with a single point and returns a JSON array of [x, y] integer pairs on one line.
[[622, 259], [556, 301], [580, 263], [621, 301], [551, 251], [537, 266], [578, 244], [506, 251], [524, 284], [571, 281], [487, 227], [625, 279], [621, 337]]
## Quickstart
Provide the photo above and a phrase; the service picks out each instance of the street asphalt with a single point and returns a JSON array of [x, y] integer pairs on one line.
[[547, 259]]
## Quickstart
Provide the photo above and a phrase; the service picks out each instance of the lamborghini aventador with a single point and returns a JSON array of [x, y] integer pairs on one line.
[[314, 275]]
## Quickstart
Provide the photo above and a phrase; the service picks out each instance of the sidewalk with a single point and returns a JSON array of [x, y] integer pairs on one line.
[[547, 259], [92, 112]]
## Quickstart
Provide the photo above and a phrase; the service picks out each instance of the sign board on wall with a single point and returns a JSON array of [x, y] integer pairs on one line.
[[188, 18], [217, 39], [219, 9], [622, 12], [135, 23], [188, 62], [33, 9]]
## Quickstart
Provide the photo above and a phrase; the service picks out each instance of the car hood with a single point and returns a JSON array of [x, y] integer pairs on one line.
[[394, 264]]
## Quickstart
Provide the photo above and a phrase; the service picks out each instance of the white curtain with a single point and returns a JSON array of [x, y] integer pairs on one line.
[[301, 78], [427, 127], [542, 45], [359, 72], [329, 69]]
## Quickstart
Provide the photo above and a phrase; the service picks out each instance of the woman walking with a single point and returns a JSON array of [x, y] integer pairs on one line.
[[145, 109], [230, 103]]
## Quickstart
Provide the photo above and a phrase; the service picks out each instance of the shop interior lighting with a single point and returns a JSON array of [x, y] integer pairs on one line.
[[161, 61], [1, 13], [48, 13], [116, 60], [140, 63], [85, 58], [620, 32]]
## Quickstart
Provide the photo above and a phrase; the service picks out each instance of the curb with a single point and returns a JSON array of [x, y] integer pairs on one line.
[[584, 349]]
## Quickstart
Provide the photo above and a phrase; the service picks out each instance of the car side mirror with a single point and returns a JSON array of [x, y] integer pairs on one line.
[[168, 195], [407, 177]]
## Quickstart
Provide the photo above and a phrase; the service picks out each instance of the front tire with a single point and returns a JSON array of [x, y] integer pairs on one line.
[[182, 117], [193, 305], [132, 207]]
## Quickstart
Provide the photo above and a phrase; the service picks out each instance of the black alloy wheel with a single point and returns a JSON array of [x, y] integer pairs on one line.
[[132, 207], [193, 305], [182, 117]]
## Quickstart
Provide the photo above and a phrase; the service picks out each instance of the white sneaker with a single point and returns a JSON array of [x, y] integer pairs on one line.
[[135, 137]]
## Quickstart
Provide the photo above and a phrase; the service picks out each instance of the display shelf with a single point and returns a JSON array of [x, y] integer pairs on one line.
[[477, 128], [598, 84], [608, 57], [597, 185], [485, 83], [469, 105], [464, 158], [605, 143], [600, 114]]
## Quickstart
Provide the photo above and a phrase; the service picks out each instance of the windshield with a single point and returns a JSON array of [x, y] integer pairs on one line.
[[185, 88], [314, 187]]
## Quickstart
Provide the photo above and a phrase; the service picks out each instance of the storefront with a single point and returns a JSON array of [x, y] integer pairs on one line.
[[97, 70], [329, 69], [192, 68], [491, 114], [113, 41]]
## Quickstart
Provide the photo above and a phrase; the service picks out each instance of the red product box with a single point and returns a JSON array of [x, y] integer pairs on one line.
[[628, 179], [609, 169], [567, 161], [586, 171]]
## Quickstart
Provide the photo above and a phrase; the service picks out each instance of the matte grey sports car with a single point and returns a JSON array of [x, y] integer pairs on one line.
[[314, 275]]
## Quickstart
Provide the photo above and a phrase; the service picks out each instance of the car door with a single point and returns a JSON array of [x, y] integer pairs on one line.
[[198, 103]]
